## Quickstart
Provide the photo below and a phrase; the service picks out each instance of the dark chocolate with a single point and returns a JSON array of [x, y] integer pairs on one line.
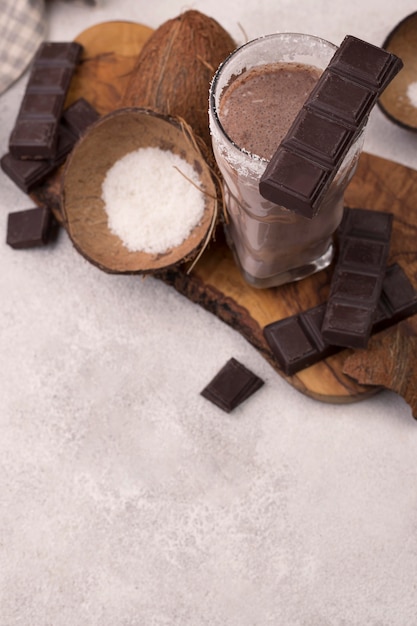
[[232, 385], [35, 134], [27, 173], [297, 342], [308, 158], [79, 116], [355, 287], [29, 228]]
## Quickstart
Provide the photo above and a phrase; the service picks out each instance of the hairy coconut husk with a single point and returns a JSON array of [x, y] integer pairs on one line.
[[175, 67]]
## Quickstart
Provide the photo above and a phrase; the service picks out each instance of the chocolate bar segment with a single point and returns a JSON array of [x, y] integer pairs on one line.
[[79, 116], [363, 222], [356, 284], [29, 228], [48, 80], [57, 54], [339, 98], [297, 342], [27, 173], [329, 122], [35, 134], [370, 65], [232, 385], [398, 299], [325, 139]]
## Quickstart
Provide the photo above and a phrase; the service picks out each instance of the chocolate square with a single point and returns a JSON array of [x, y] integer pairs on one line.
[[58, 53], [33, 139], [296, 179], [29, 228], [364, 254], [351, 284], [367, 63], [48, 80], [231, 386], [315, 135], [79, 116], [42, 106], [291, 343], [340, 98]]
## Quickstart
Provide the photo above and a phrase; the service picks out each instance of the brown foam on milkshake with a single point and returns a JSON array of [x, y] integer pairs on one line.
[[259, 106]]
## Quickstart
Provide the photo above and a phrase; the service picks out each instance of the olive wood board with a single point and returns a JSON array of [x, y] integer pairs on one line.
[[215, 283]]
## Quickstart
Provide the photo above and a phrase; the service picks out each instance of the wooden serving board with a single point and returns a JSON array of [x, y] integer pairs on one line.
[[110, 50]]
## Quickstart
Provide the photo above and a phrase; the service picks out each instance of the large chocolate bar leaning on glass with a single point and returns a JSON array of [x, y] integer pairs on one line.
[[27, 173], [364, 239], [297, 342], [35, 133], [308, 158]]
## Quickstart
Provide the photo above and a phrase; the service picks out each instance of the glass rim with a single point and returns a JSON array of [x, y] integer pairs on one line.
[[217, 75]]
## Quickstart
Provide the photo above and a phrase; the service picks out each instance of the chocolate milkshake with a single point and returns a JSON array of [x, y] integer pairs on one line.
[[258, 108], [254, 98]]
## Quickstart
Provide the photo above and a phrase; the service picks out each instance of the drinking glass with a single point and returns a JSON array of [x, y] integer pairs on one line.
[[273, 245]]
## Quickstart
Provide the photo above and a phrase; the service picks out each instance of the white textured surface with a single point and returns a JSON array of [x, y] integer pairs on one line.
[[129, 500]]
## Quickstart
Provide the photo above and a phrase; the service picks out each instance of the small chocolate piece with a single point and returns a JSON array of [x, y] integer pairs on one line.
[[398, 299], [29, 228], [27, 173], [35, 134], [307, 160], [297, 342], [232, 385], [79, 116], [364, 239]]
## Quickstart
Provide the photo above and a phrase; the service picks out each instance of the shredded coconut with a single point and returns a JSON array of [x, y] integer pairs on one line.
[[412, 93], [151, 201]]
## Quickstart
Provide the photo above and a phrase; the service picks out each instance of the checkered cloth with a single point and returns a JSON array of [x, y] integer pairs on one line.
[[22, 29]]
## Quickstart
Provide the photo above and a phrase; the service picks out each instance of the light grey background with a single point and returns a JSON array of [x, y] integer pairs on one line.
[[127, 499]]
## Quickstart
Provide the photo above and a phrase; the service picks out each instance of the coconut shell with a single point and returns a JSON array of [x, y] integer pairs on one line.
[[175, 67], [82, 206], [395, 101]]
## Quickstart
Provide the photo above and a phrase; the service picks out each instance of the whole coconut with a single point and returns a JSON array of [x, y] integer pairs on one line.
[[175, 67]]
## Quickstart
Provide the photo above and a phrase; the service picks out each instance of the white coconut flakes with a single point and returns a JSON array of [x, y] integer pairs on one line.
[[153, 200]]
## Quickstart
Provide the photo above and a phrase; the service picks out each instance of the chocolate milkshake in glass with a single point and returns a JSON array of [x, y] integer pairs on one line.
[[254, 97]]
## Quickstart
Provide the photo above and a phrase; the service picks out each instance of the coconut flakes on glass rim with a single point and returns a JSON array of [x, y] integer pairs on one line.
[[152, 200]]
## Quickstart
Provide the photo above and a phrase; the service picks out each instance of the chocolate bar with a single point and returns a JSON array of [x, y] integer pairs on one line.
[[355, 287], [308, 158], [35, 134], [27, 173], [29, 228], [297, 342], [232, 385]]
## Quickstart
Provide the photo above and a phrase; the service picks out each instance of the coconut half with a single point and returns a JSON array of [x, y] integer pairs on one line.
[[82, 205]]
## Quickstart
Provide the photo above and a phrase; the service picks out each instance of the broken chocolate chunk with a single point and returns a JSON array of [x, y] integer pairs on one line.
[[79, 116], [29, 228], [232, 385]]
